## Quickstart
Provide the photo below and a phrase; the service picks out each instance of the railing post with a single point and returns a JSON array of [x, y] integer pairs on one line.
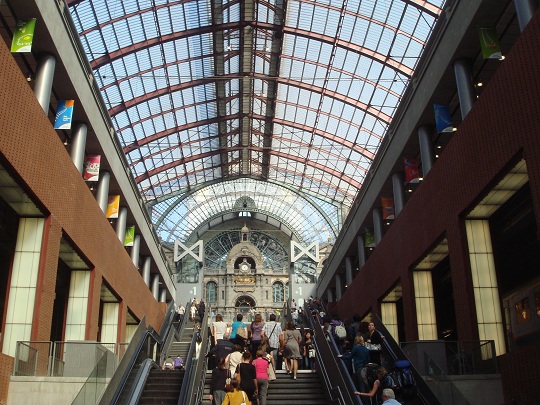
[[16, 368]]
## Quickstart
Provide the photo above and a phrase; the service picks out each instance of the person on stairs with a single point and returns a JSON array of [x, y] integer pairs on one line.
[[237, 396], [217, 384], [290, 345]]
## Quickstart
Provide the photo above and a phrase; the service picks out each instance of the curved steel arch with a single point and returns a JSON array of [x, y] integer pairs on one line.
[[302, 195], [258, 210], [233, 53], [315, 165], [148, 43], [170, 131]]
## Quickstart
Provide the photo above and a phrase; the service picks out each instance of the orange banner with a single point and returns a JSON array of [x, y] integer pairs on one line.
[[387, 208], [113, 206]]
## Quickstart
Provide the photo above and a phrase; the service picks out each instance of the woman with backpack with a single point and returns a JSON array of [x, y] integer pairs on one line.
[[383, 381], [360, 357]]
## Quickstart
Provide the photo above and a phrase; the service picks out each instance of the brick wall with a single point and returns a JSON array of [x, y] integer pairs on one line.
[[501, 128], [31, 150]]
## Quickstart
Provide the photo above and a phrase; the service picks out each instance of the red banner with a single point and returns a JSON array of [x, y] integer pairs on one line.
[[412, 174], [91, 168]]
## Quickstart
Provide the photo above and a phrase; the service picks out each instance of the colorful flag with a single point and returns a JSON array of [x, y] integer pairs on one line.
[[23, 36], [91, 168], [387, 208], [369, 239], [443, 120], [489, 42], [64, 113], [130, 236], [412, 174], [113, 206]]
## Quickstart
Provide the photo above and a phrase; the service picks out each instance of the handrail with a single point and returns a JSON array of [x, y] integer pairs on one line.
[[118, 380], [333, 373], [438, 375], [144, 338], [197, 396], [194, 366], [394, 350], [140, 381]]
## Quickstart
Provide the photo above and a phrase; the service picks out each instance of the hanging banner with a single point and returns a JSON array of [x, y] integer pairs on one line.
[[130, 236], [23, 36], [91, 168], [489, 42], [387, 208], [443, 120], [113, 206], [64, 113], [412, 174], [369, 239]]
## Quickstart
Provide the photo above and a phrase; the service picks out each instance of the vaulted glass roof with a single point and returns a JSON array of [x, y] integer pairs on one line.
[[295, 95]]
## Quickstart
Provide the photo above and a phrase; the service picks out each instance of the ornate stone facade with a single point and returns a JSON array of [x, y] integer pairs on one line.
[[245, 285]]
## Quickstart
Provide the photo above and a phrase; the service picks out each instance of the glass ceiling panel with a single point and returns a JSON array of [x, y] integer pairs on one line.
[[200, 91]]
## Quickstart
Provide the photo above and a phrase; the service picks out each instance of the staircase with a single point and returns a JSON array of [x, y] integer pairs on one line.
[[163, 386], [307, 389]]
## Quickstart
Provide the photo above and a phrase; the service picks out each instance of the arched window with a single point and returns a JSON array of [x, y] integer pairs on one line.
[[211, 291], [277, 292]]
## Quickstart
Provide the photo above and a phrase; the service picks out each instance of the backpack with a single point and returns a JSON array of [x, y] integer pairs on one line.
[[352, 330], [371, 374], [340, 332], [405, 379]]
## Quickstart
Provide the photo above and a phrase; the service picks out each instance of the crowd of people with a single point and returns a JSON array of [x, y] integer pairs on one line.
[[245, 356]]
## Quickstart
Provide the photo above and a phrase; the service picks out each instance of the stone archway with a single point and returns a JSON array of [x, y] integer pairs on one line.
[[244, 304]]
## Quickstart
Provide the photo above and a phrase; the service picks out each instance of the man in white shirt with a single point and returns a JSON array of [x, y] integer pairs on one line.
[[272, 330], [180, 312], [389, 397]]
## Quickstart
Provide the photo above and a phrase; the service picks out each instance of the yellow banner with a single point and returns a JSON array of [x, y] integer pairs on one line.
[[113, 206]]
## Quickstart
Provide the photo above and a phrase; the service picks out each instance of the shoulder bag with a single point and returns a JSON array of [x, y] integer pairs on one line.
[[242, 332], [228, 386]]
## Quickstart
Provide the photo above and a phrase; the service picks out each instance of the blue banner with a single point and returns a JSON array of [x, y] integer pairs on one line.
[[443, 120], [64, 113]]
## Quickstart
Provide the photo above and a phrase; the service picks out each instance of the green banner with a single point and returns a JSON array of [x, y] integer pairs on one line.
[[489, 42], [130, 236], [369, 239], [23, 36]]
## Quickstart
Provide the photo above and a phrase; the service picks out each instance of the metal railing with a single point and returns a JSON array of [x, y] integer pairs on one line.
[[95, 384], [337, 380], [193, 383], [63, 359], [466, 357]]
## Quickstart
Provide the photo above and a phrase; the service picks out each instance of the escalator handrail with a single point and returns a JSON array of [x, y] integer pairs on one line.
[[335, 375], [392, 347], [139, 340], [120, 376], [189, 387], [140, 380]]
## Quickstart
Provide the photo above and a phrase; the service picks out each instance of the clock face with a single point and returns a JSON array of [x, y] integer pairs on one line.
[[244, 267]]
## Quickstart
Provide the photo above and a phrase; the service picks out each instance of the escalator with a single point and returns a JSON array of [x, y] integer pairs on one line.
[[163, 386], [139, 378], [391, 353], [172, 387]]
